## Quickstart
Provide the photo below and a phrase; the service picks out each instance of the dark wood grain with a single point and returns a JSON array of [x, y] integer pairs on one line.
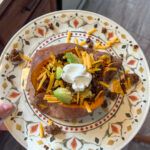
[[4, 6], [13, 20], [21, 12], [141, 138], [1, 47], [44, 7]]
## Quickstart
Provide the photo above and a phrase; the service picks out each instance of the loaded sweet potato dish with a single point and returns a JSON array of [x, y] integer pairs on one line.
[[69, 81]]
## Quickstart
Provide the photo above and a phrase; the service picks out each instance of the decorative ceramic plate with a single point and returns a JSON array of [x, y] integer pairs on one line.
[[110, 128]]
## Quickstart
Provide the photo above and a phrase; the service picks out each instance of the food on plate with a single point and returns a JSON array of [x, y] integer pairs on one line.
[[69, 81], [52, 129]]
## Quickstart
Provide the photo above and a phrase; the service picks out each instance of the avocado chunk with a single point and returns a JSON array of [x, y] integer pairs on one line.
[[63, 95], [72, 58], [59, 71]]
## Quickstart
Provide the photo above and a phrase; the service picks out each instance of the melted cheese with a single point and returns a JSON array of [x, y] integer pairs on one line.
[[42, 105], [76, 41], [81, 100], [98, 61], [61, 83], [87, 106], [111, 69], [41, 82], [82, 43], [104, 84], [106, 58], [93, 70], [121, 73], [78, 97], [41, 75], [41, 131], [97, 45], [127, 71], [68, 37], [102, 47], [51, 82], [88, 60], [49, 122], [25, 57], [53, 58], [92, 31], [56, 84], [129, 83], [83, 58], [98, 95], [78, 52], [117, 87], [92, 58], [50, 98], [108, 43]]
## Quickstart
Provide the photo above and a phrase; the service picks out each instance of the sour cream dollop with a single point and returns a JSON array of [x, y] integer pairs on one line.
[[77, 75]]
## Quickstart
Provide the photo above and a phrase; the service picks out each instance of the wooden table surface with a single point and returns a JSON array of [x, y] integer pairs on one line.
[[134, 16], [19, 12]]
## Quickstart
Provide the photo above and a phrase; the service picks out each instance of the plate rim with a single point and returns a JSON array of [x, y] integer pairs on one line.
[[106, 18]]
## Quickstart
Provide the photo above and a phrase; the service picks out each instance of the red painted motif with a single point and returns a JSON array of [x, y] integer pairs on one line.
[[131, 62], [33, 129], [13, 94], [114, 110], [96, 124], [41, 31], [75, 22], [133, 98], [110, 35], [74, 144], [81, 129], [114, 129]]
